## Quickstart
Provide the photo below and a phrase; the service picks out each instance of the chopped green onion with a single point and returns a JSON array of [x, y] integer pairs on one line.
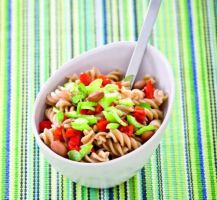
[[112, 108], [107, 100], [112, 126], [69, 85], [74, 155], [94, 86], [128, 78], [145, 129], [55, 110], [60, 116], [145, 105], [80, 124], [109, 116], [126, 102], [82, 88], [77, 98], [118, 119], [85, 149], [86, 105], [90, 118], [133, 121], [110, 88], [72, 114]]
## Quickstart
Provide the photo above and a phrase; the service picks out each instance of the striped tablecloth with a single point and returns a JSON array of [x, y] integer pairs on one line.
[[36, 37]]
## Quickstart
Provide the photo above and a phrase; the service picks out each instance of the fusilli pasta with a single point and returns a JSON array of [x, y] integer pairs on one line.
[[96, 117]]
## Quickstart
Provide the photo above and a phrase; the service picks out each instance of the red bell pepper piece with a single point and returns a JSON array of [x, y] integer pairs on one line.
[[87, 112], [139, 114], [85, 78], [105, 79], [74, 143], [101, 124], [127, 130], [149, 90], [44, 124], [98, 109], [72, 133], [119, 84], [58, 134]]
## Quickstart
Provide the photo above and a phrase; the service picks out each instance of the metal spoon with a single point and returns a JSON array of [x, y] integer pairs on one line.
[[140, 48]]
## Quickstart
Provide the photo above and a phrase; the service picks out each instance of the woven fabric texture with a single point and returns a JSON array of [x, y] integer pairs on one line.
[[36, 37]]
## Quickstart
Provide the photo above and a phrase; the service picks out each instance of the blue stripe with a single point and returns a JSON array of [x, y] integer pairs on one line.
[[199, 138], [135, 20], [143, 185], [111, 194], [104, 22], [8, 131], [74, 190]]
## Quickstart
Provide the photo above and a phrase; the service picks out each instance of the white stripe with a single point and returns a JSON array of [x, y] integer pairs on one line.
[[99, 23]]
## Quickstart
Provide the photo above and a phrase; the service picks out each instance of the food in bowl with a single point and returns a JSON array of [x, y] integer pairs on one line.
[[96, 118]]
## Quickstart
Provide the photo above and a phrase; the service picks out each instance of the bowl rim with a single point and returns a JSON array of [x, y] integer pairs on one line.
[[87, 54]]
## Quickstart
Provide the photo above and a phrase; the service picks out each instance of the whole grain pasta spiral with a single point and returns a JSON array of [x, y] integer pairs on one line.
[[115, 75], [60, 93], [47, 136], [94, 72], [153, 114], [98, 156], [88, 137]]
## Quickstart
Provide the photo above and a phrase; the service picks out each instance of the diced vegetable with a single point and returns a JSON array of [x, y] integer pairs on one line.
[[127, 130], [119, 84], [82, 89], [145, 105], [70, 85], [112, 108], [101, 124], [60, 116], [58, 134], [90, 118], [74, 155], [55, 110], [131, 120], [126, 102], [112, 126], [72, 114], [94, 86], [98, 109], [85, 78], [44, 124], [80, 124], [105, 79], [110, 88], [74, 142], [109, 116], [72, 133], [128, 78], [139, 114], [149, 90], [118, 119], [85, 149], [86, 105], [107, 100], [77, 98], [145, 129]]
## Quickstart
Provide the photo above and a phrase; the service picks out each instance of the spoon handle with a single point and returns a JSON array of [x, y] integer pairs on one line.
[[140, 47]]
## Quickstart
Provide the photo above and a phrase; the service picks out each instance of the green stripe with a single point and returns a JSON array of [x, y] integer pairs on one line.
[[4, 53], [68, 28]]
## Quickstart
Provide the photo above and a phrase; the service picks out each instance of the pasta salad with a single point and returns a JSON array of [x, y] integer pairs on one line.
[[95, 117]]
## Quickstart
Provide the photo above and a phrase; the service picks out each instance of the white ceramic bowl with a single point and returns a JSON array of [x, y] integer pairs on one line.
[[107, 58]]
